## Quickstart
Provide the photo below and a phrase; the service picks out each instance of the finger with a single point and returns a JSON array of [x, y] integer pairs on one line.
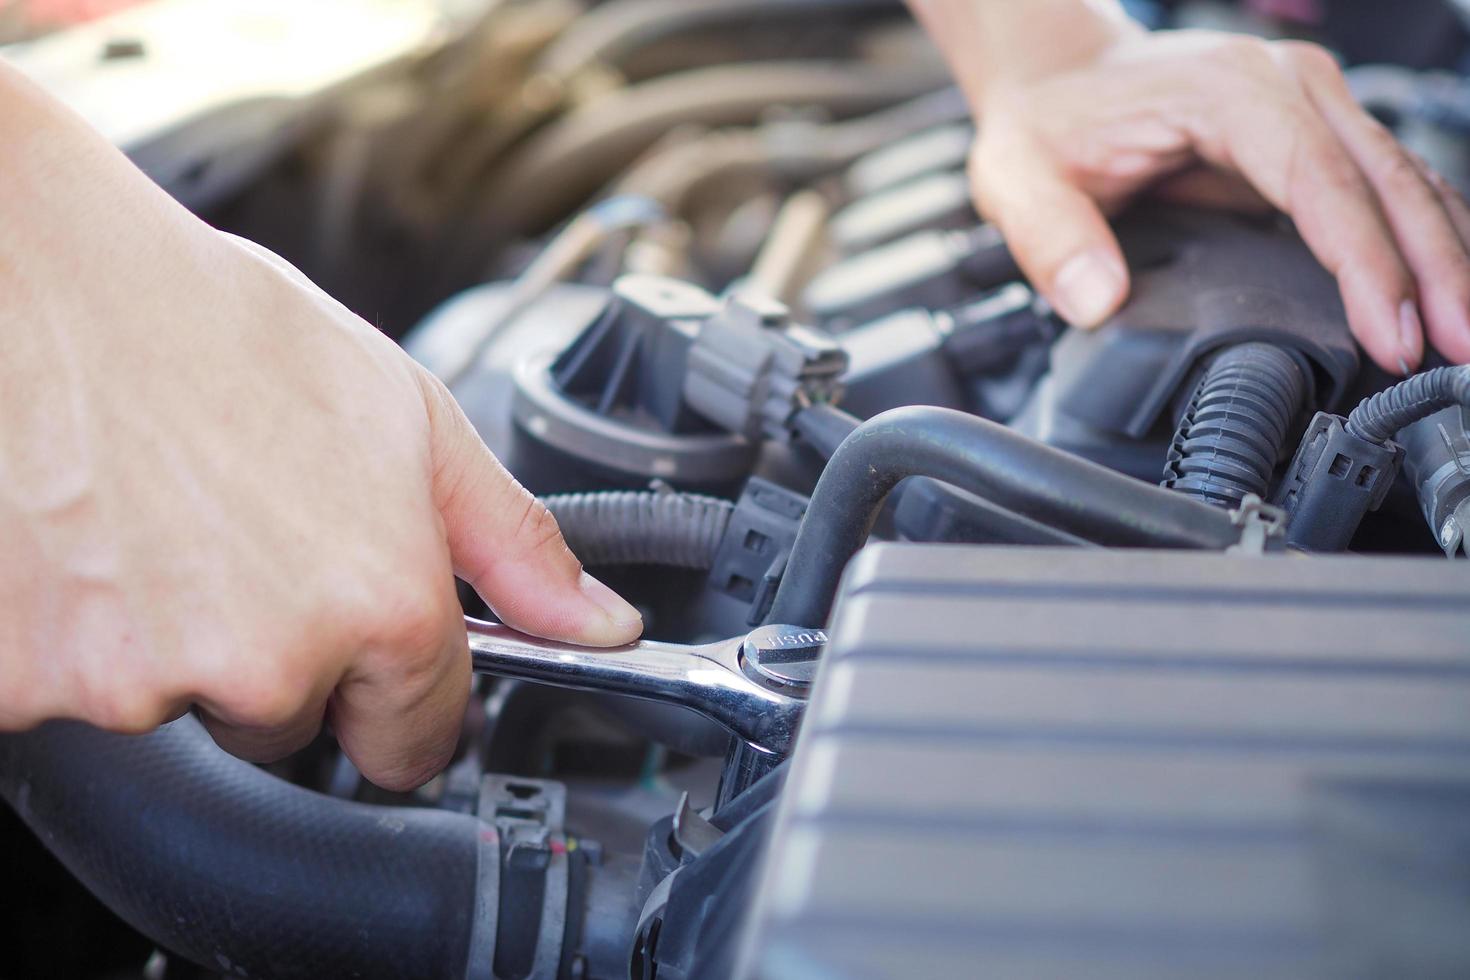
[[1281, 144], [1459, 212], [397, 714], [1449, 196], [1421, 225], [1055, 231], [263, 713], [1211, 187], [506, 544]]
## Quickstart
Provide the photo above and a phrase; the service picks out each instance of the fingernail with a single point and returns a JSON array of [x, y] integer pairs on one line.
[[619, 612], [1088, 287], [1411, 335]]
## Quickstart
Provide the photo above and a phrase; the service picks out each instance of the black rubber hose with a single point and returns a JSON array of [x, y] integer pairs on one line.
[[642, 527], [241, 872], [824, 427], [1378, 418], [1005, 468], [1235, 429]]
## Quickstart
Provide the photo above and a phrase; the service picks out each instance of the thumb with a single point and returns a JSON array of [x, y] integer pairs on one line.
[[1055, 230], [506, 544]]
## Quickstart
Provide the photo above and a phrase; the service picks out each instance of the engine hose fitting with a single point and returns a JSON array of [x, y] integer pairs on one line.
[[1003, 467], [1379, 418], [1235, 429], [624, 527]]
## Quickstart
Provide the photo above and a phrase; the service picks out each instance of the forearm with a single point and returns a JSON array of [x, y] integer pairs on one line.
[[57, 170], [993, 43]]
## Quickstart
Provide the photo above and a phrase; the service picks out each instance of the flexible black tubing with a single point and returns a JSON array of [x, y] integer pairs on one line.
[[1235, 429], [624, 527], [1005, 468], [245, 874], [1378, 418]]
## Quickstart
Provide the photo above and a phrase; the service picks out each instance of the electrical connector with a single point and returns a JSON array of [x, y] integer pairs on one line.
[[750, 369], [1334, 480]]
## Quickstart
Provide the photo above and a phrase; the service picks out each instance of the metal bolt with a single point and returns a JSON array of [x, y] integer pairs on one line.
[[782, 657]]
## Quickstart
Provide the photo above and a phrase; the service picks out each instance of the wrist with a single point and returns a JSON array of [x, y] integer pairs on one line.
[[994, 45]]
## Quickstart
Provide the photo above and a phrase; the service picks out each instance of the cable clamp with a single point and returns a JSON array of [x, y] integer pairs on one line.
[[1262, 527]]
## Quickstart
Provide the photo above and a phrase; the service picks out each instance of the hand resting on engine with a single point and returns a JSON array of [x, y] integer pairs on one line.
[[1081, 109]]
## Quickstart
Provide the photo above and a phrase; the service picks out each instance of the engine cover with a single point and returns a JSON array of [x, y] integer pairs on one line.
[[1023, 762]]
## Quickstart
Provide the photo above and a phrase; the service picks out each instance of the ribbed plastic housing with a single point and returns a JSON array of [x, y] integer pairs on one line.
[[1236, 427]]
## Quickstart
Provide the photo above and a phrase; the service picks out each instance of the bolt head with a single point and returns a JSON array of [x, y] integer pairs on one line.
[[783, 657]]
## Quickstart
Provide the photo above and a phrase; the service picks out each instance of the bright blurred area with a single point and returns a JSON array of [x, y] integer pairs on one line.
[[137, 67], [22, 20]]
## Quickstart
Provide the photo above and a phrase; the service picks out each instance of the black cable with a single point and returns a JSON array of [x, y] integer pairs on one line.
[[1003, 467], [824, 427], [1235, 429], [1378, 418]]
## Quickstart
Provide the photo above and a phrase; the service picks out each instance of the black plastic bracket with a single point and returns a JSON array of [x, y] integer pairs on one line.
[[752, 555], [1333, 481]]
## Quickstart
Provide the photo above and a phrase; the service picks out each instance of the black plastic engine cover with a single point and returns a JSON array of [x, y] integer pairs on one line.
[[1062, 763]]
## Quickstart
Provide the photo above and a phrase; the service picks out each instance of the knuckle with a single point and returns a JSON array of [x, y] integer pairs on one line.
[[537, 532], [266, 698], [435, 393], [1312, 60], [979, 168], [1397, 172], [1242, 55], [128, 709], [1316, 163], [1383, 144], [407, 777], [122, 697], [414, 625]]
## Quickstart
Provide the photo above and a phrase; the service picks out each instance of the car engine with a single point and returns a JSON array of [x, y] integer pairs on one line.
[[976, 644]]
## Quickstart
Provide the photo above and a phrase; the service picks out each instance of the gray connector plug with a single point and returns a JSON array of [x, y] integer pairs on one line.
[[751, 369]]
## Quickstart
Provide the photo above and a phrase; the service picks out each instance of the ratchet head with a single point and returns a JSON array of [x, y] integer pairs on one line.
[[755, 685]]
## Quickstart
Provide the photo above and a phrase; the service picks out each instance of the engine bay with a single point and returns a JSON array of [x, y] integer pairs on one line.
[[975, 643]]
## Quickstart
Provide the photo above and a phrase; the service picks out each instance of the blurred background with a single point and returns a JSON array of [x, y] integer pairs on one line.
[[401, 150]]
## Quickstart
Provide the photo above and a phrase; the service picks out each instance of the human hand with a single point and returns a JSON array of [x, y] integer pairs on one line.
[[219, 487], [1081, 110]]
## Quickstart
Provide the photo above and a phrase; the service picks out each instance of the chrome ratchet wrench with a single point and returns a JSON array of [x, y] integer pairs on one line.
[[754, 685]]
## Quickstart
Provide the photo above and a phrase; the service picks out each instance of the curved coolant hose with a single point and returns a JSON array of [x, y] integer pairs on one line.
[[1007, 469], [623, 527], [241, 872], [1379, 418], [1235, 429]]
